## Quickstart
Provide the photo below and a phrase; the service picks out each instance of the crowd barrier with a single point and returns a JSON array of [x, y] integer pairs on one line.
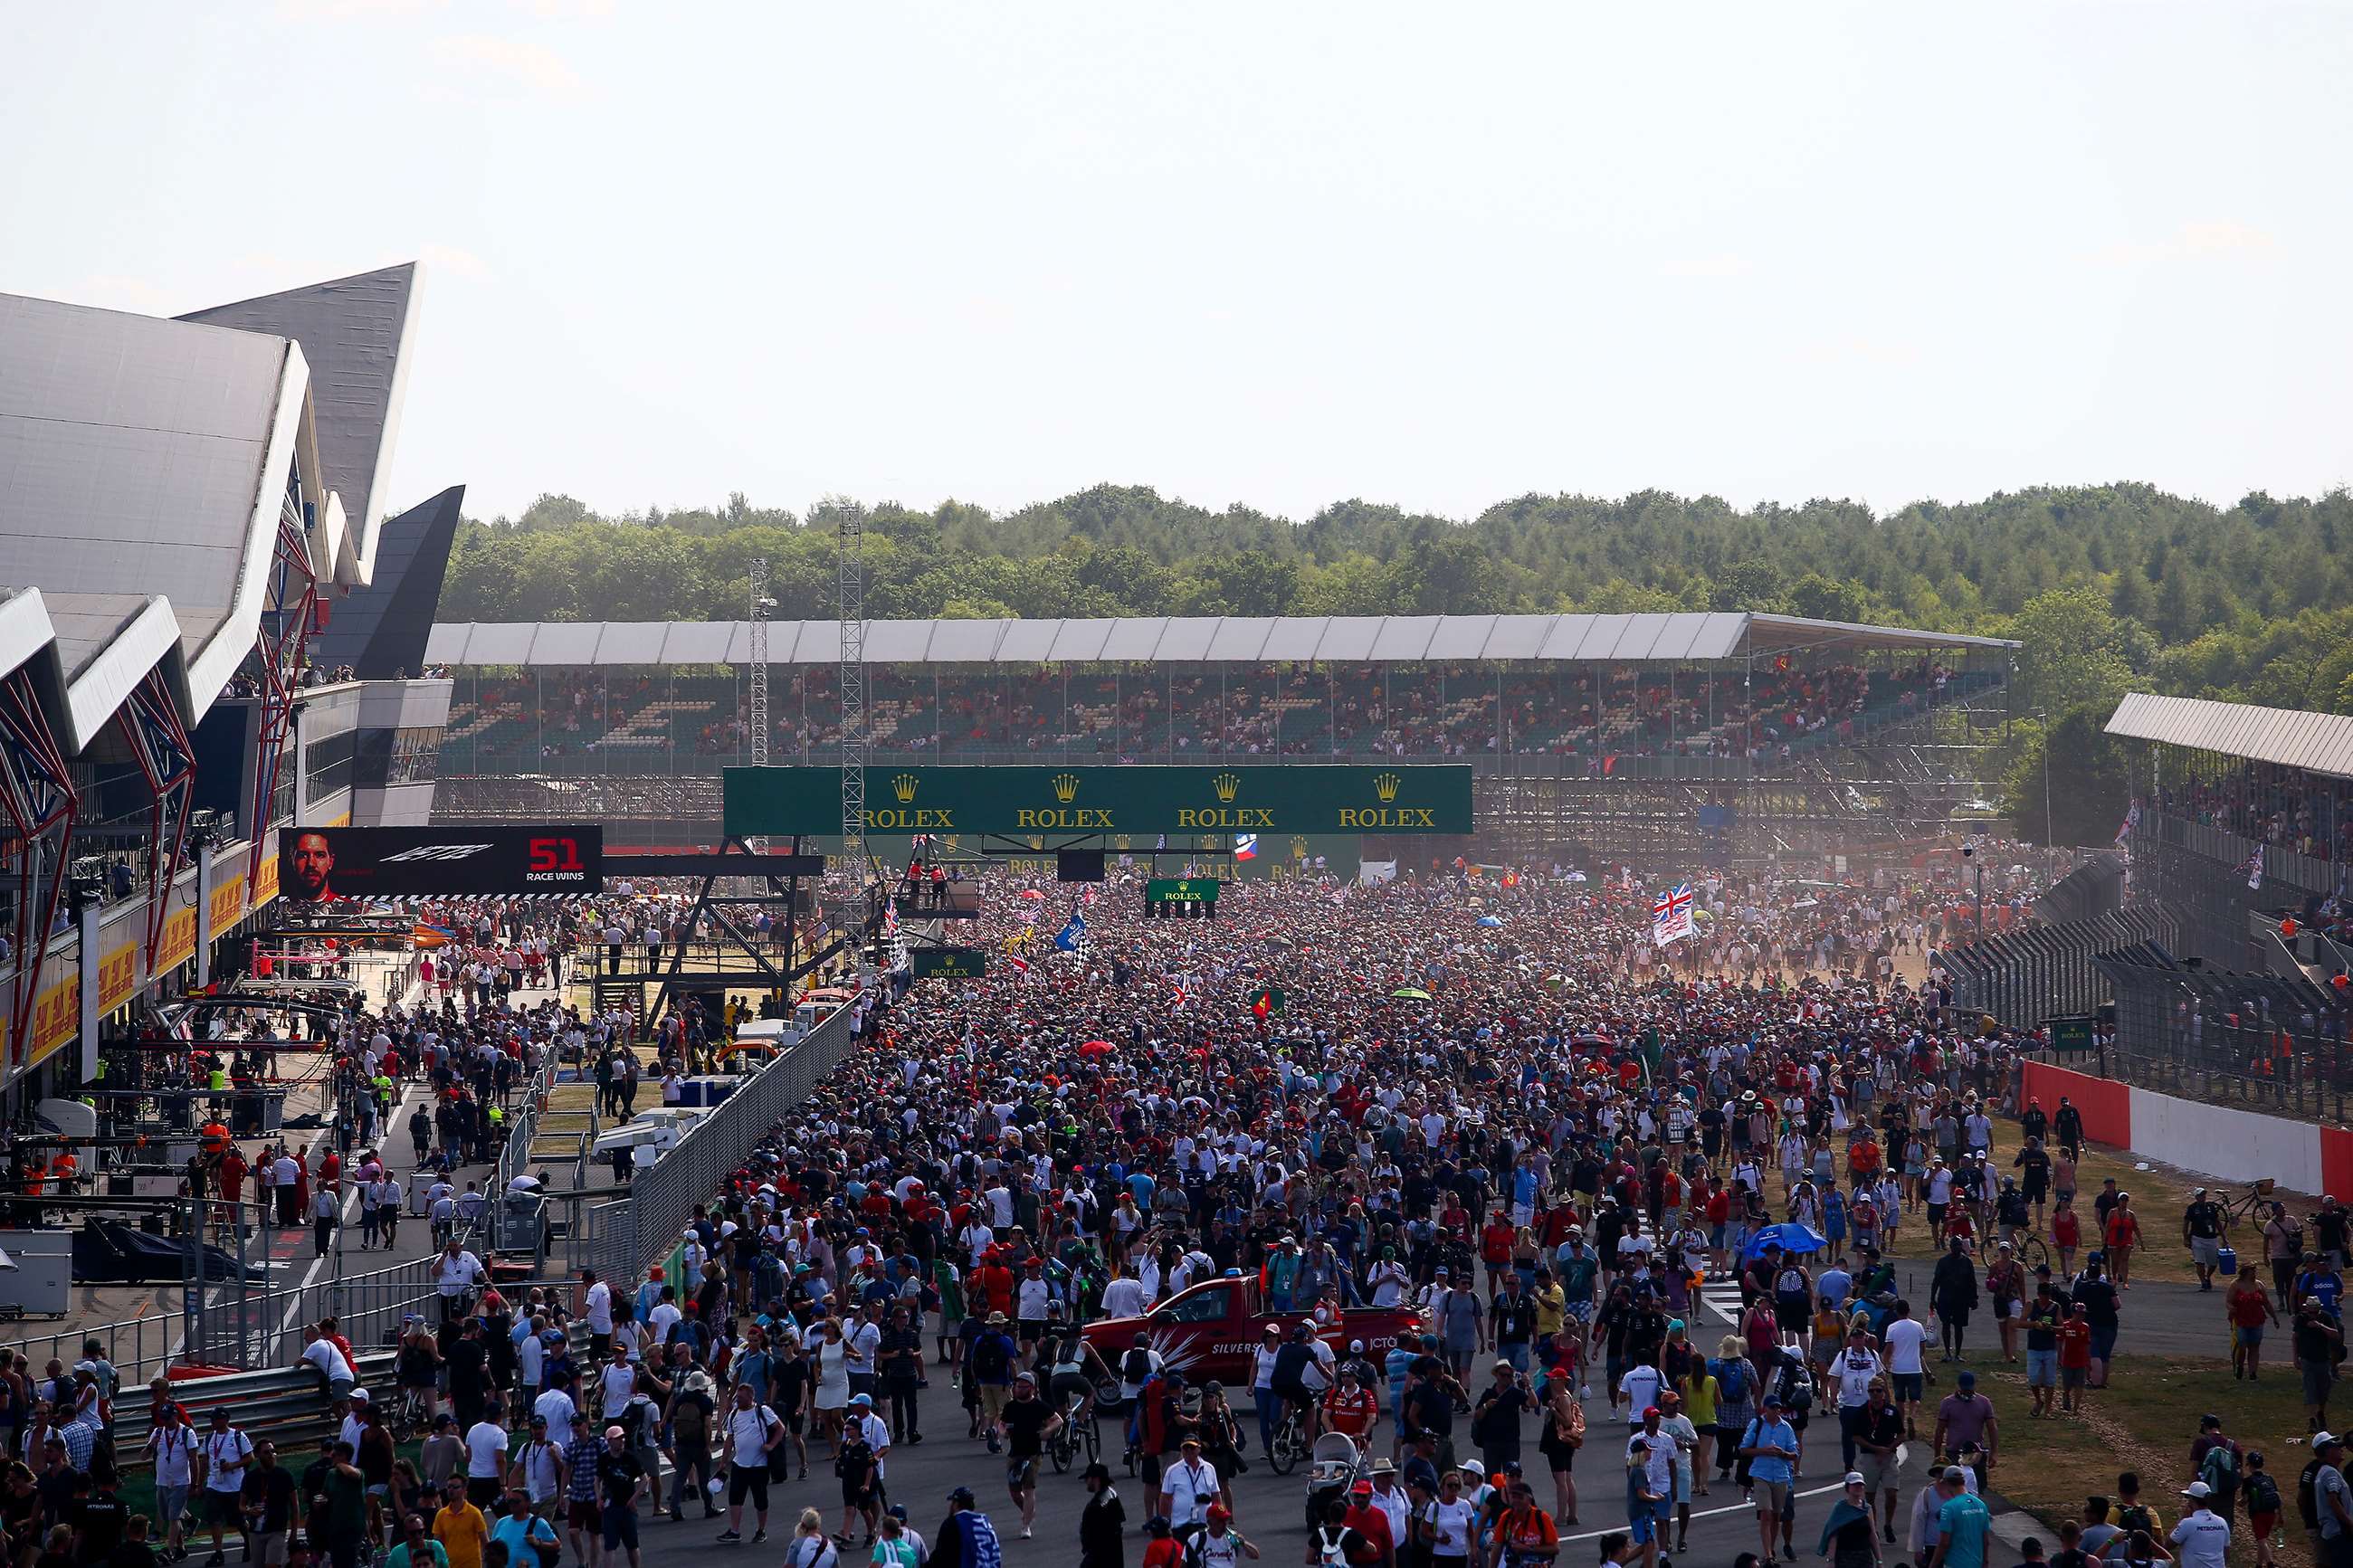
[[2047, 971], [622, 1238], [2217, 1141]]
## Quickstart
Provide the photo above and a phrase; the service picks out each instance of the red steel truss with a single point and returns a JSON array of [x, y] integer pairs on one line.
[[150, 722], [38, 804]]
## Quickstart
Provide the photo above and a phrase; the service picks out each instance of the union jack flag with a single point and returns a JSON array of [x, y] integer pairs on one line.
[[1671, 916]]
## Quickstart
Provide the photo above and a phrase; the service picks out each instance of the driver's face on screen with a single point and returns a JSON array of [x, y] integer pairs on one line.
[[314, 863]]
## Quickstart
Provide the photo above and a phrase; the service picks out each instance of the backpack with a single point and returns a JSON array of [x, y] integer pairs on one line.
[[1331, 1547], [1732, 1381], [1137, 1368], [2219, 1468], [693, 1420], [1796, 1389], [988, 1358], [2307, 1493], [2263, 1494]]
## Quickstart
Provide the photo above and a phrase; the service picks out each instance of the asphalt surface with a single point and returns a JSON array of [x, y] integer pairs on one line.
[[1270, 1509]]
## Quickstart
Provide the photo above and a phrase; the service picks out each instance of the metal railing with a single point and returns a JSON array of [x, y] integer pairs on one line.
[[621, 1238], [235, 1325]]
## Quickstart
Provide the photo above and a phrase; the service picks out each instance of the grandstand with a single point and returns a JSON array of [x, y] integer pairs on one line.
[[1646, 717]]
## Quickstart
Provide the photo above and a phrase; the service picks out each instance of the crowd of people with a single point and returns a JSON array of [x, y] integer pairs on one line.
[[1483, 1178]]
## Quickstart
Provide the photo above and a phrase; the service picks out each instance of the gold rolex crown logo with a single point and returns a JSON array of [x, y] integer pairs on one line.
[[1227, 785], [1066, 786], [1386, 786], [903, 786]]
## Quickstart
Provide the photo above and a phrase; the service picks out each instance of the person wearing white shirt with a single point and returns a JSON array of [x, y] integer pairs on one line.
[[1124, 1298], [1188, 1487], [171, 1445], [486, 1462], [557, 1408], [596, 1306], [875, 1430], [1856, 1367], [1640, 1389], [616, 1384], [455, 1274], [753, 1433], [664, 1318], [322, 1354], [1904, 1336], [2202, 1536]]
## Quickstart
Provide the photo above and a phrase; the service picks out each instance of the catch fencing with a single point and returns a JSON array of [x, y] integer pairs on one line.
[[2048, 971], [622, 1238]]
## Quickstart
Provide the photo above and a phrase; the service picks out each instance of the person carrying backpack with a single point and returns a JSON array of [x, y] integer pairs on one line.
[[1736, 1401], [2216, 1459], [2262, 1495]]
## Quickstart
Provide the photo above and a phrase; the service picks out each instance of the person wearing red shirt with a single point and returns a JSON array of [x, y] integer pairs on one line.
[[1496, 1238], [2066, 1235], [2250, 1310], [2123, 1235], [1351, 1408], [1371, 1520], [2075, 1358]]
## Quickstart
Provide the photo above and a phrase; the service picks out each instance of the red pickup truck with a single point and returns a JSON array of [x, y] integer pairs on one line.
[[1213, 1330]]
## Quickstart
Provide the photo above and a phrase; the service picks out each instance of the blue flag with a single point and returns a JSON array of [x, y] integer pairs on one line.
[[1071, 936]]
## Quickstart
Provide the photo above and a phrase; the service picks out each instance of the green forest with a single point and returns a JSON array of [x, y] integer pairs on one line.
[[2109, 588]]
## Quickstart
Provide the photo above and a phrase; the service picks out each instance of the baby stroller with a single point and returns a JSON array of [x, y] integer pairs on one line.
[[1334, 1465]]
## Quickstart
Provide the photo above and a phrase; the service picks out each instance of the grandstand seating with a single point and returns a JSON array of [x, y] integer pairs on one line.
[[627, 720]]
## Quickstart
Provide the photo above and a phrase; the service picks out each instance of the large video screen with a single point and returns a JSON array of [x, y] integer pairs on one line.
[[322, 865]]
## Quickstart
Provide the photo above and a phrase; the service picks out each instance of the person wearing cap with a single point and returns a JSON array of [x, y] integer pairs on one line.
[[539, 1469], [1965, 1419], [1847, 1539], [1219, 1544], [1336, 1540], [2202, 1538], [1189, 1487], [965, 1537], [1770, 1447], [2332, 1500], [1958, 1537], [1650, 1482]]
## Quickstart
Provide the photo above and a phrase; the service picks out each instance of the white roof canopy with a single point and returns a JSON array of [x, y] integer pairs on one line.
[[1652, 638]]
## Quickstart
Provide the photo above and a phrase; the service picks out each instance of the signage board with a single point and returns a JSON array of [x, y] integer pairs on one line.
[[319, 864], [1143, 799], [1181, 890], [947, 962], [2071, 1034]]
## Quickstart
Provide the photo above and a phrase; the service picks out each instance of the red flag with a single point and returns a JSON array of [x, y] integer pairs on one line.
[[1020, 965], [1262, 1004]]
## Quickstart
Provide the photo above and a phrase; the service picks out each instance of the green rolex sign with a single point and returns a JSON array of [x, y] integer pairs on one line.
[[1340, 798], [1181, 890], [947, 962]]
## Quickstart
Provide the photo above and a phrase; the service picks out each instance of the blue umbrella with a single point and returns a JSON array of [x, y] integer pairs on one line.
[[1491, 920], [1793, 1238]]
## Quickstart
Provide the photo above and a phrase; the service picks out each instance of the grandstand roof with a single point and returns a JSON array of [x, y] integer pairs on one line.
[[2316, 742], [1195, 639], [143, 465]]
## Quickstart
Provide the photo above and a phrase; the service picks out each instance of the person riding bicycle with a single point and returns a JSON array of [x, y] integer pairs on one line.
[[1076, 1369], [1299, 1378]]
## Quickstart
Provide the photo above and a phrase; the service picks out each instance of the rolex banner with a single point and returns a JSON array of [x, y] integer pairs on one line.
[[1342, 798]]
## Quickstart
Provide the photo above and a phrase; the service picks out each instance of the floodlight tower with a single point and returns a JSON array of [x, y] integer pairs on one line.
[[761, 605], [851, 606]]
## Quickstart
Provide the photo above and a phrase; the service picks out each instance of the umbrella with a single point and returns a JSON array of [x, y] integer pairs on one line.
[[1274, 939], [1410, 993], [1490, 920], [1793, 1238], [1031, 893], [1095, 1049]]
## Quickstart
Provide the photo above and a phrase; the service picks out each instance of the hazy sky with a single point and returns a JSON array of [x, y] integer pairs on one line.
[[1274, 253]]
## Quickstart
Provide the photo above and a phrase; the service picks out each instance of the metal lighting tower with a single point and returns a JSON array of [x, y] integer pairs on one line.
[[761, 605], [851, 582]]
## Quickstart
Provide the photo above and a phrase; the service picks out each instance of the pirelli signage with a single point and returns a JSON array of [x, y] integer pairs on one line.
[[1137, 801]]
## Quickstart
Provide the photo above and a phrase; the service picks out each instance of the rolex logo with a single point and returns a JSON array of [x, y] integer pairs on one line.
[[903, 786], [1227, 785], [1066, 787], [1386, 786]]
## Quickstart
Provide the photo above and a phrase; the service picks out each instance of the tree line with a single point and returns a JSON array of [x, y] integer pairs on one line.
[[2109, 588]]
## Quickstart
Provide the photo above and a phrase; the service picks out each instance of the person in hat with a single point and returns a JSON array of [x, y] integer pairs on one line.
[[1189, 1487], [1770, 1447], [1962, 1522], [1102, 1522], [966, 1539], [1847, 1539], [2202, 1538], [688, 1418]]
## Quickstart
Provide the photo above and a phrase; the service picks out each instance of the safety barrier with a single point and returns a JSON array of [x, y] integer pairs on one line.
[[2218, 1141], [621, 1239]]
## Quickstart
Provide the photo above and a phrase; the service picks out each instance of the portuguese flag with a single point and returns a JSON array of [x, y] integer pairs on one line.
[[1266, 1000]]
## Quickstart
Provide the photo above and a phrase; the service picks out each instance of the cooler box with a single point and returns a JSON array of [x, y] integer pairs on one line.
[[702, 1093], [2228, 1258]]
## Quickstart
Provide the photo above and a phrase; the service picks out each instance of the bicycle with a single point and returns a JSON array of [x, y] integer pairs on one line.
[[1075, 1436], [1290, 1444], [2251, 1206]]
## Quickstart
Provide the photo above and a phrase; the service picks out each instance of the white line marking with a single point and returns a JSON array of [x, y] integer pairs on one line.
[[1901, 1451]]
